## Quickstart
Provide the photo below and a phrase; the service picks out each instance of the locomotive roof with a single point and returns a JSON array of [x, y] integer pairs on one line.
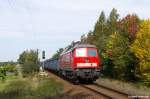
[[83, 45], [73, 46]]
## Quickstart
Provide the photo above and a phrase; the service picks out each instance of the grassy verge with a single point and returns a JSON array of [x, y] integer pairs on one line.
[[35, 87]]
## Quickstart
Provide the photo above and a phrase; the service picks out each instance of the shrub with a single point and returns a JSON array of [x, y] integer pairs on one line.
[[29, 68], [48, 88], [36, 89], [29, 61], [7, 68], [2, 76], [17, 88]]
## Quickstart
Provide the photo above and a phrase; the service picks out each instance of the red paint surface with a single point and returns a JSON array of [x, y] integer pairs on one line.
[[69, 60]]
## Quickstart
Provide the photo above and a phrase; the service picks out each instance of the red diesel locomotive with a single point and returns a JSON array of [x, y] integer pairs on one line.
[[80, 62]]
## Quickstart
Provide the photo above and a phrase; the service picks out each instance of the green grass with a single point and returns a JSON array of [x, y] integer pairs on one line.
[[14, 87], [7, 80]]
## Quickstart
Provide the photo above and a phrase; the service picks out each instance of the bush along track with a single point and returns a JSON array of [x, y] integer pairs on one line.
[[31, 88]]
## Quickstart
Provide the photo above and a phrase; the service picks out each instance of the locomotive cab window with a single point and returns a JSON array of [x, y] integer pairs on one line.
[[91, 52], [81, 52]]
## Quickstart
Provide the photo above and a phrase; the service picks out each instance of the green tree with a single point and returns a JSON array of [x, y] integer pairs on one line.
[[100, 32], [29, 61], [112, 22], [89, 38], [128, 27], [57, 54], [103, 30], [118, 44]]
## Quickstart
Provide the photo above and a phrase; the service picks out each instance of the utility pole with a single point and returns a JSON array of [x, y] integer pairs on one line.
[[37, 56]]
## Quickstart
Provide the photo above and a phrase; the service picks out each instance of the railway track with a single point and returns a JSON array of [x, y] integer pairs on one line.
[[117, 91], [97, 92], [106, 91], [100, 90]]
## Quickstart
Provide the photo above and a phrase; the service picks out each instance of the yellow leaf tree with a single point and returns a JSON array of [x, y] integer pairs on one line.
[[141, 49]]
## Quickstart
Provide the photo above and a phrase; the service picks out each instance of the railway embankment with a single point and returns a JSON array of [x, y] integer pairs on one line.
[[75, 91], [104, 88]]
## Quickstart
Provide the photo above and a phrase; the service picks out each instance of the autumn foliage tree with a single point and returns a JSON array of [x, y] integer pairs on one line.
[[141, 49], [118, 43], [123, 45], [129, 24]]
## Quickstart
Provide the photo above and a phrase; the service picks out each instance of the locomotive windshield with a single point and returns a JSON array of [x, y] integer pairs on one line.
[[84, 52], [80, 52], [91, 52]]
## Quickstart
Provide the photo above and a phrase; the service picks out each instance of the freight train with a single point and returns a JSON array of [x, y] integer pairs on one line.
[[78, 62]]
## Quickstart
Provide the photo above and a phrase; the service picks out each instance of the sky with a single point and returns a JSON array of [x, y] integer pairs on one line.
[[52, 24]]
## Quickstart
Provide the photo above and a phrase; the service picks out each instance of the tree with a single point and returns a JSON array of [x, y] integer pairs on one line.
[[29, 61], [83, 38], [89, 38], [129, 24], [112, 22], [141, 49], [103, 29], [99, 32], [118, 44], [122, 36], [57, 54]]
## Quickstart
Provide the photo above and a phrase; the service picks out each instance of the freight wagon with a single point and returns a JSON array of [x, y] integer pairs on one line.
[[51, 64]]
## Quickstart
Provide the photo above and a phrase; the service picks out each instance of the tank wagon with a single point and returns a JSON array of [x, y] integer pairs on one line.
[[77, 62]]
